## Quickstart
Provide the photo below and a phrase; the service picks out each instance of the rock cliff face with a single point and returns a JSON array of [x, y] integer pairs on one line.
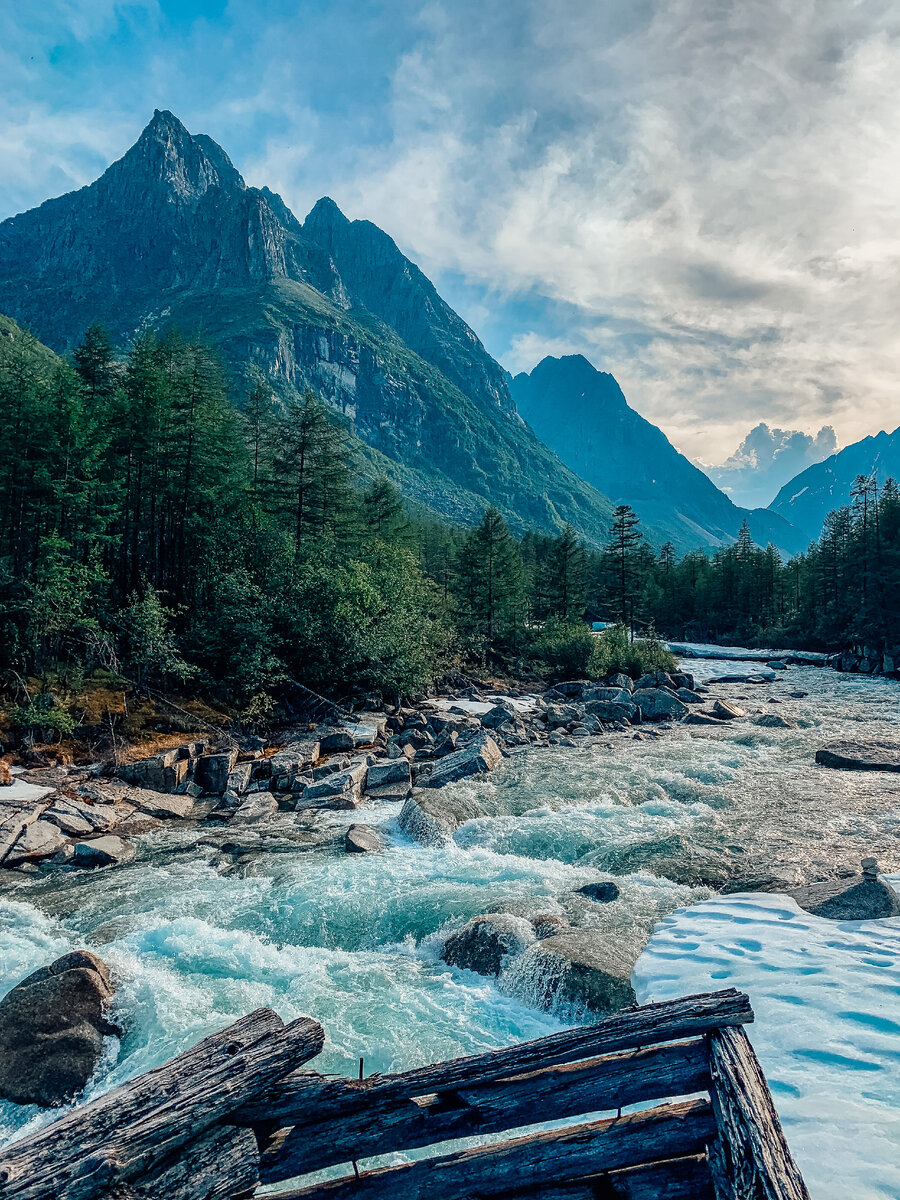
[[581, 413], [171, 235]]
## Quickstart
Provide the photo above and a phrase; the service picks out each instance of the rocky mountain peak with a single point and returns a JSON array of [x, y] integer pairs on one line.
[[167, 154]]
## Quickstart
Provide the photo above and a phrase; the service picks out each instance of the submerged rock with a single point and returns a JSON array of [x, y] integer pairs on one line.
[[591, 968], [363, 839], [484, 943], [52, 1026], [548, 924], [772, 721], [600, 893], [861, 756], [432, 818]]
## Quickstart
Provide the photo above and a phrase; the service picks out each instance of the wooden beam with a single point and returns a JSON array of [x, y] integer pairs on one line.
[[218, 1165], [536, 1160], [752, 1158], [567, 1090], [135, 1127], [675, 1179], [306, 1096]]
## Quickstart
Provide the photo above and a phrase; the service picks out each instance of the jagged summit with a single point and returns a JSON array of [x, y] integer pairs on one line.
[[580, 375], [167, 154]]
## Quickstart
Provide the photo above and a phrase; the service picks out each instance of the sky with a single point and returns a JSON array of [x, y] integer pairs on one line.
[[701, 196]]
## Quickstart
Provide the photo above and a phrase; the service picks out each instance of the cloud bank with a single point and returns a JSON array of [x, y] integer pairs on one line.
[[766, 459]]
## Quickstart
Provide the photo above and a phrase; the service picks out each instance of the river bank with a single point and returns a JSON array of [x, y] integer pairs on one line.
[[355, 940]]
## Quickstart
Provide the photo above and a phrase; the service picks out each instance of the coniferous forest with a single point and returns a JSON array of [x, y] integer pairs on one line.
[[156, 526]]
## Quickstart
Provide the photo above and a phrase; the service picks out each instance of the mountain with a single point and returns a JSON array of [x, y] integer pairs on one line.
[[582, 414], [171, 235], [810, 496]]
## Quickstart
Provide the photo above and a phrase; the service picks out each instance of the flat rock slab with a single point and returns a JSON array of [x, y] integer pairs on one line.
[[860, 756], [103, 852], [854, 899]]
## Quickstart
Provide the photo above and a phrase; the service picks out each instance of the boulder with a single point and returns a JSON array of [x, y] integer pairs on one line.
[[239, 778], [293, 759], [158, 804], [432, 818], [498, 715], [860, 756], [52, 1026], [777, 665], [658, 704], [484, 943], [161, 773], [40, 839], [656, 679], [610, 710], [620, 680], [480, 756], [772, 721], [683, 679], [363, 839], [600, 893], [343, 789], [592, 969], [258, 807], [562, 714], [65, 814], [109, 851], [859, 898], [394, 771], [212, 770], [728, 710], [137, 824], [703, 718], [688, 696]]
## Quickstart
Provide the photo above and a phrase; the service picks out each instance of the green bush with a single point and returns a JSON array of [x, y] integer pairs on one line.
[[570, 650], [640, 657], [42, 719]]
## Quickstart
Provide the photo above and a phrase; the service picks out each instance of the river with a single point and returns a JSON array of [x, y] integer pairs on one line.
[[354, 940]]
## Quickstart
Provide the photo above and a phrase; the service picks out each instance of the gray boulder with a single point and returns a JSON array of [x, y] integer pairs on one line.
[[688, 696], [591, 968], [481, 755], [258, 807], [296, 758], [728, 710], [40, 839], [363, 839], [498, 715], [384, 772], [212, 771], [703, 718], [484, 943], [159, 804], [600, 893], [860, 756], [548, 924], [620, 680], [342, 789], [860, 898], [618, 695], [656, 679], [161, 773], [658, 704], [562, 714], [610, 710], [52, 1026], [105, 851]]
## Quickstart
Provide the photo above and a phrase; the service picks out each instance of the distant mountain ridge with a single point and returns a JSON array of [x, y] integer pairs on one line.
[[807, 499], [582, 414]]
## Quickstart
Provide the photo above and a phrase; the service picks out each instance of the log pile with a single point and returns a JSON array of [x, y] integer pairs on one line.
[[235, 1112]]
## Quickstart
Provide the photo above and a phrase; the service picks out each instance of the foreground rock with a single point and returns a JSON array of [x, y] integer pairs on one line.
[[484, 943], [106, 851], [658, 704], [480, 756], [592, 970], [772, 721], [861, 756], [363, 839], [728, 710], [432, 818], [52, 1026], [859, 898], [600, 893]]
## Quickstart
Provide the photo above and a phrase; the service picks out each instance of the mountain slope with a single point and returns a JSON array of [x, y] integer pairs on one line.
[[171, 235], [809, 497], [582, 414]]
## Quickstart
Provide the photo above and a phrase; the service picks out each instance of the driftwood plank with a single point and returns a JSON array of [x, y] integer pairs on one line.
[[220, 1164], [133, 1128], [535, 1160], [752, 1159], [567, 1090], [675, 1179], [307, 1096]]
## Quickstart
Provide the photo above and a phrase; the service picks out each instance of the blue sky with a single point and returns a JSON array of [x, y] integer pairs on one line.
[[702, 196]]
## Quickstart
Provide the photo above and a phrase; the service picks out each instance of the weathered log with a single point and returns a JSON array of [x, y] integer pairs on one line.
[[536, 1160], [751, 1158], [135, 1127], [675, 1179], [307, 1096], [568, 1090], [219, 1165]]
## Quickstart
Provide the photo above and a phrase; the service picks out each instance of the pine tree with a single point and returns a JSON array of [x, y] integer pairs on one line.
[[623, 548], [490, 582]]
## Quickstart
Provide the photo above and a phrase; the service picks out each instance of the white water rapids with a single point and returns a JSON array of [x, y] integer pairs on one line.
[[354, 940]]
